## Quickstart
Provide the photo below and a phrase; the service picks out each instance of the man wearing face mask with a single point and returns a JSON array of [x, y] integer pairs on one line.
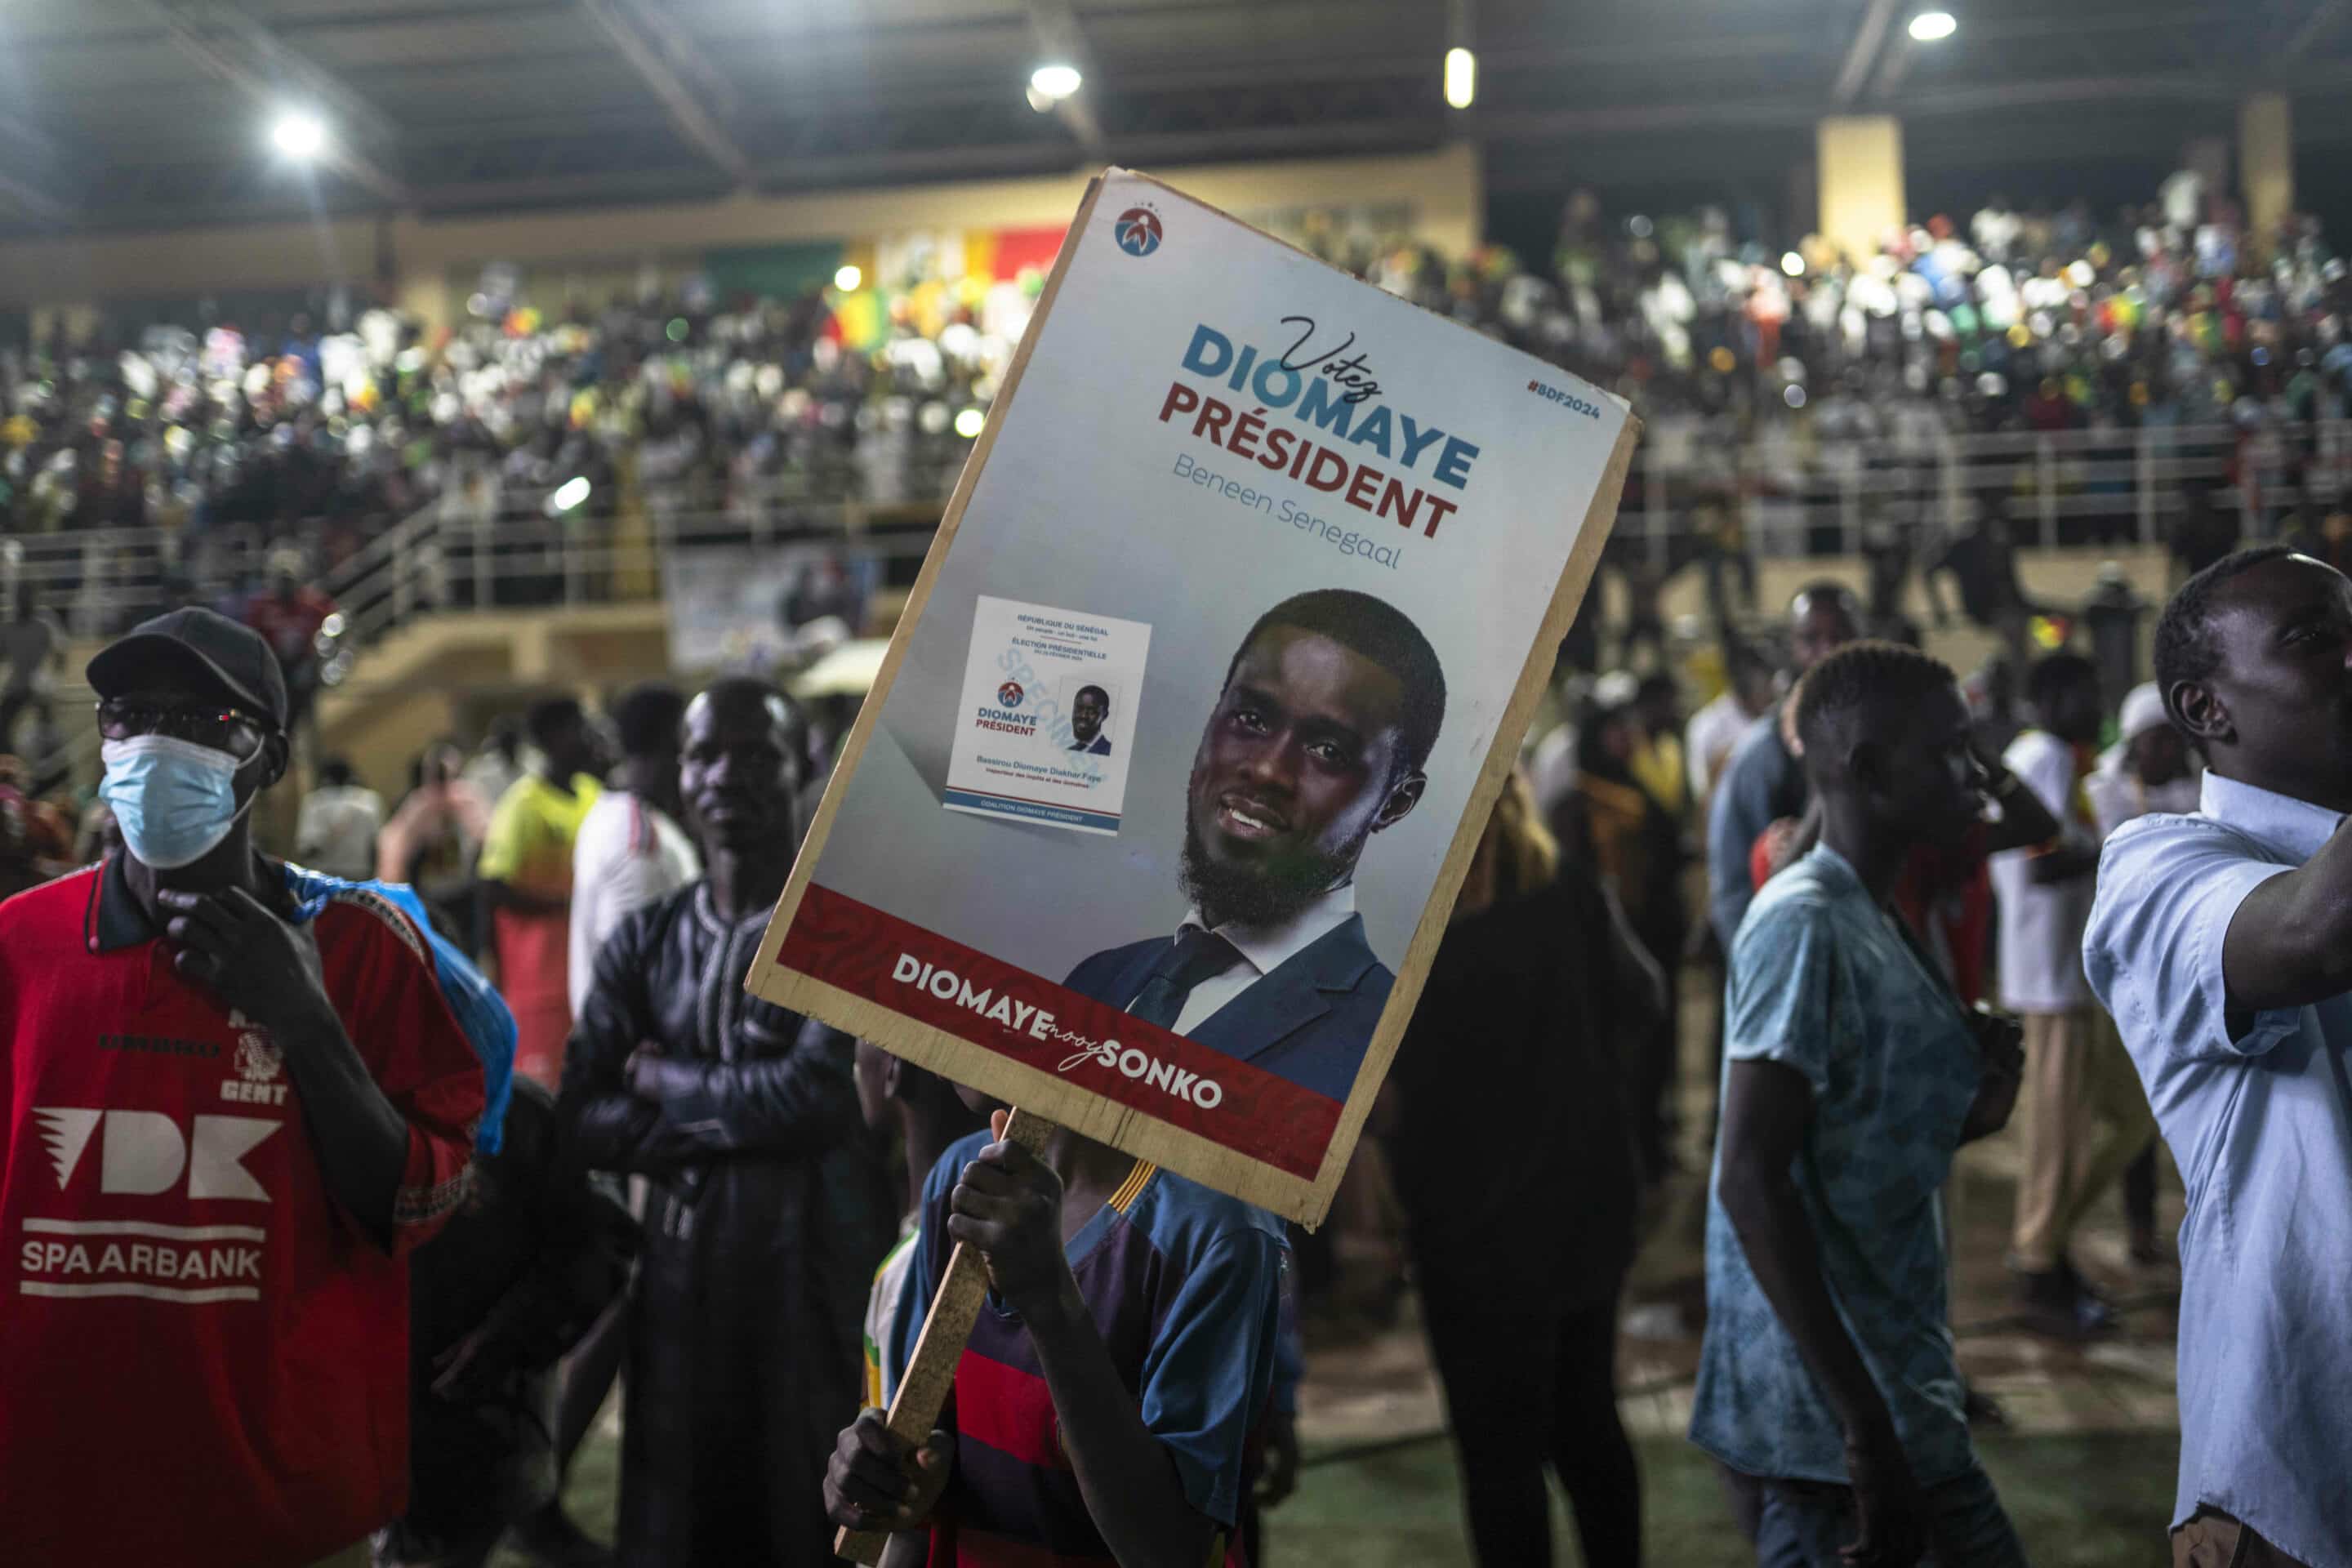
[[220, 1136]]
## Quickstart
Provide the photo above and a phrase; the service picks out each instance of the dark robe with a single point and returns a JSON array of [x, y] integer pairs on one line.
[[506, 1289], [1551, 994], [768, 1210]]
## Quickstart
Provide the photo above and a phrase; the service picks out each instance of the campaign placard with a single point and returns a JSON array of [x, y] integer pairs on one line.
[[1152, 821], [1047, 702]]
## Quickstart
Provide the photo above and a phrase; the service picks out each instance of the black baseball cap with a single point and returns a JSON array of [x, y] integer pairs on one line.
[[195, 640]]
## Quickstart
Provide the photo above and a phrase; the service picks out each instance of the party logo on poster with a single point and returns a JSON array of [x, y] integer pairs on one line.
[[1138, 231]]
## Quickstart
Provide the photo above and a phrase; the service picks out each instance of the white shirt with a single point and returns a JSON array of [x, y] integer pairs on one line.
[[626, 855], [2041, 923], [1552, 767], [1708, 739], [2117, 795], [2257, 1108], [1264, 950], [336, 831], [2182, 195]]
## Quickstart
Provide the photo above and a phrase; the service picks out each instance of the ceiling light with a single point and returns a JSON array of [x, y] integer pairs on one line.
[[298, 135], [1460, 77], [1930, 25], [1055, 82], [847, 279], [1792, 264]]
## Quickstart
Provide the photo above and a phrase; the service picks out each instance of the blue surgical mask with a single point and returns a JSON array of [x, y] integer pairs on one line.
[[174, 800]]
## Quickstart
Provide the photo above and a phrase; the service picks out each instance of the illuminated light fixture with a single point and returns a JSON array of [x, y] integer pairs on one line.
[[568, 494], [1054, 82], [847, 279], [1460, 77], [1792, 264], [1930, 25], [967, 423], [298, 135]]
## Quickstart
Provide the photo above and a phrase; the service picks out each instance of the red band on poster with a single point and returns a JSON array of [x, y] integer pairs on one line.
[[1004, 1008]]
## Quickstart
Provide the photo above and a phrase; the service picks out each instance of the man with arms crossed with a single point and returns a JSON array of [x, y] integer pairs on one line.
[[766, 1209], [1317, 742], [2222, 942], [1827, 1382]]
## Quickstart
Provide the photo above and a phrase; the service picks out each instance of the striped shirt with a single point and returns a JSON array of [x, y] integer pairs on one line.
[[1184, 1285]]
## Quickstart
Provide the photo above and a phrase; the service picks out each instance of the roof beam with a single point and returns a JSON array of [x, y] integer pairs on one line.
[[1386, 133], [663, 58], [2312, 29], [1893, 65], [22, 146], [298, 76], [33, 201], [24, 133], [1862, 51], [1055, 28], [1599, 124]]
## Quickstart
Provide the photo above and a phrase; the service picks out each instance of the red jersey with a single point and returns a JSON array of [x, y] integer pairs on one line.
[[204, 1361], [289, 626]]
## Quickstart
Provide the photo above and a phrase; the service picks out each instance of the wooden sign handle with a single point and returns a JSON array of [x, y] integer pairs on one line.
[[923, 1387]]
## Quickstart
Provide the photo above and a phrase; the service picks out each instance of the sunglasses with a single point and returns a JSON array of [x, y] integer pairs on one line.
[[223, 729]]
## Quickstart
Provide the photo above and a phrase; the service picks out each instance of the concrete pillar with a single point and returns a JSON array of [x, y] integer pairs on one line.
[[1861, 177], [420, 282], [2265, 165], [1804, 208]]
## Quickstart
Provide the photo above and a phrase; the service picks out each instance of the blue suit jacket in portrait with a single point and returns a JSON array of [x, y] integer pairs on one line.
[[1310, 1021], [1100, 748]]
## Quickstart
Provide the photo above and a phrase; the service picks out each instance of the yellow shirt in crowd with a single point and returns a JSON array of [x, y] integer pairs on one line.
[[1658, 768], [529, 844]]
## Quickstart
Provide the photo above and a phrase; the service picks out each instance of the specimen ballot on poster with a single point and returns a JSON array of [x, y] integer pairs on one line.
[[1232, 631]]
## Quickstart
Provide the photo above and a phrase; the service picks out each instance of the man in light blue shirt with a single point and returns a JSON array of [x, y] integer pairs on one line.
[[2222, 942], [1827, 1382], [1762, 783]]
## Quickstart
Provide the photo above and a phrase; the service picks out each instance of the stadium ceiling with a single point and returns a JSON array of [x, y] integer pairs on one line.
[[151, 113]]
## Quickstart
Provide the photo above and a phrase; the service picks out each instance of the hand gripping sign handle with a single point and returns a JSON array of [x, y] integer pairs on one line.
[[923, 1387]]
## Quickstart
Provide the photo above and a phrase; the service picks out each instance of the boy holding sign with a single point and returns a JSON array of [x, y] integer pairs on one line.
[[1103, 1402], [1104, 1405]]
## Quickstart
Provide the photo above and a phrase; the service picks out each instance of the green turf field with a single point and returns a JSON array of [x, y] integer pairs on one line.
[[2097, 1501]]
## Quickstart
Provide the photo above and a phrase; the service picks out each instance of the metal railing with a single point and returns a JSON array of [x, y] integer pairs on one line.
[[1790, 495], [1819, 496], [495, 547]]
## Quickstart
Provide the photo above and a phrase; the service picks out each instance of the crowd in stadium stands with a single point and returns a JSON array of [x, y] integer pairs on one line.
[[2010, 320], [2027, 321], [357, 424], [528, 856], [587, 891]]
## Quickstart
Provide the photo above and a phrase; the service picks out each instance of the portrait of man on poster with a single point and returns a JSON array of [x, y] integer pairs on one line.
[[1088, 711], [1318, 742]]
